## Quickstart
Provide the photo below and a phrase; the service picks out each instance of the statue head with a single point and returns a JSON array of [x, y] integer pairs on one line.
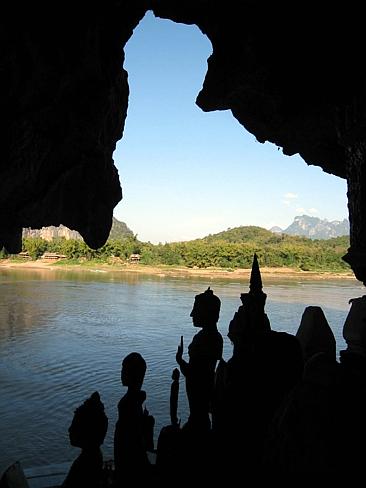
[[90, 423], [314, 334], [133, 370], [354, 329], [206, 309]]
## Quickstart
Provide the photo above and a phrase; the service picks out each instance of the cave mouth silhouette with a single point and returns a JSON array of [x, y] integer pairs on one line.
[[65, 100]]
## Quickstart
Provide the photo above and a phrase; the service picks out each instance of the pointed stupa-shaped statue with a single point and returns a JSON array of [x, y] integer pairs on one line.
[[256, 298], [250, 319], [255, 285]]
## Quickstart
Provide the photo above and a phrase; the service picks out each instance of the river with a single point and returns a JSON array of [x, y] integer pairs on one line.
[[63, 335]]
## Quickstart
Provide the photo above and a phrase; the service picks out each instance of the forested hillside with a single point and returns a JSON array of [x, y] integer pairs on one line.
[[242, 234], [231, 249], [234, 248]]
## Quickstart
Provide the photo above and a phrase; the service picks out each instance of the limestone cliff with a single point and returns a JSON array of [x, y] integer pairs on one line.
[[119, 230]]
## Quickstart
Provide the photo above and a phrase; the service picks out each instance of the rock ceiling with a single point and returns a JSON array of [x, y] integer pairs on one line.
[[291, 74]]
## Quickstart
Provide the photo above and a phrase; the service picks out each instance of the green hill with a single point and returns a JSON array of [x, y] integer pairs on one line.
[[234, 248], [255, 235], [241, 234], [260, 236], [119, 230]]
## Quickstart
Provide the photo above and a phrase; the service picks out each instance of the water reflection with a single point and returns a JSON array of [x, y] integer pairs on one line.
[[23, 306]]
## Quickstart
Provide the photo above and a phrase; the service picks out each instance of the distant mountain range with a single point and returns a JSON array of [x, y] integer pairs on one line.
[[315, 228], [304, 225], [119, 230]]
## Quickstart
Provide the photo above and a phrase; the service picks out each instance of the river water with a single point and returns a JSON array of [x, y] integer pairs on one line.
[[64, 334]]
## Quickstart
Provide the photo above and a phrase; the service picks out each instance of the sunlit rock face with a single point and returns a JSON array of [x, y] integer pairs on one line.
[[289, 74]]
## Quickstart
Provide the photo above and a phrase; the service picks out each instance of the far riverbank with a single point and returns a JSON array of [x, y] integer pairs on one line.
[[175, 271]]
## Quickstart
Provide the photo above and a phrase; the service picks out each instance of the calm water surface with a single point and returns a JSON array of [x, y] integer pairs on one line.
[[63, 336]]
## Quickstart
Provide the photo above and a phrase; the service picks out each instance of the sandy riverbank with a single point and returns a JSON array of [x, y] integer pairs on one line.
[[178, 271]]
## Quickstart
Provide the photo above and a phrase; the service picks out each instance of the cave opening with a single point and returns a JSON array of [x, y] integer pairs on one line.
[[65, 337], [186, 173]]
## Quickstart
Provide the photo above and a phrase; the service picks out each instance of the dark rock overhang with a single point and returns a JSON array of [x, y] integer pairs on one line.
[[290, 73]]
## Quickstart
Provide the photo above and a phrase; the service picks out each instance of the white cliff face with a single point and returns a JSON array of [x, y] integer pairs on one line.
[[118, 231], [52, 232]]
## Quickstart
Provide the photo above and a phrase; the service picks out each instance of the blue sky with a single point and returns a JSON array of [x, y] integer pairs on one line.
[[185, 173]]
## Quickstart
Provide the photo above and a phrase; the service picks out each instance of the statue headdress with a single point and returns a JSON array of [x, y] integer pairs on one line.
[[256, 294], [210, 302], [250, 318], [255, 285], [90, 423]]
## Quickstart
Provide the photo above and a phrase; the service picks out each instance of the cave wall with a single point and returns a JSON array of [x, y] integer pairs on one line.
[[290, 74], [64, 103]]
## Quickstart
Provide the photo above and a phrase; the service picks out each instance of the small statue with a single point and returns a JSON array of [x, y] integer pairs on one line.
[[130, 436], [87, 431], [174, 393]]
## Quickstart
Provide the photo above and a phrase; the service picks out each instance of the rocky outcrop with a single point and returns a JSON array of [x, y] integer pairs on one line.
[[51, 232], [119, 230], [287, 72], [315, 228]]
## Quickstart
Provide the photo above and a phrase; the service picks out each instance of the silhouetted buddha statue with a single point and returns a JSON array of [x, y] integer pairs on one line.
[[352, 401], [250, 321], [318, 345], [303, 437], [315, 335], [321, 428], [130, 439], [264, 367], [204, 351], [354, 329], [87, 431]]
